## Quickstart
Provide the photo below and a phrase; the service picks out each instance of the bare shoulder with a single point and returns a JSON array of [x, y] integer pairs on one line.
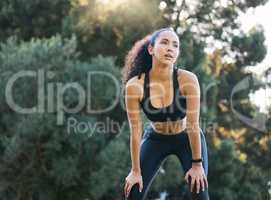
[[185, 76], [135, 85], [187, 80]]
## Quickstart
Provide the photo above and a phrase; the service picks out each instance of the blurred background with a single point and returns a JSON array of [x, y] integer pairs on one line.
[[63, 127]]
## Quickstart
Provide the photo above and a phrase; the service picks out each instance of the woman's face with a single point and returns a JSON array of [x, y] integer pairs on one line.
[[166, 48]]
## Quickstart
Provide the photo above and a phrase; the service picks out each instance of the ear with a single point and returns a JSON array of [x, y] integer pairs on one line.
[[150, 49]]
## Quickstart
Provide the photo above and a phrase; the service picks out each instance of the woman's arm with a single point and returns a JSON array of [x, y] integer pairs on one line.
[[192, 93], [132, 96]]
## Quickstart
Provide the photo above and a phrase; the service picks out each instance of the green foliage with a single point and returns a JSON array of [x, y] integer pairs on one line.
[[107, 180], [247, 45], [32, 18], [41, 158], [112, 31], [232, 179]]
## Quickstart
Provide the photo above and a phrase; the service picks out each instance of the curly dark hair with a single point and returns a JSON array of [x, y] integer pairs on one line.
[[138, 59]]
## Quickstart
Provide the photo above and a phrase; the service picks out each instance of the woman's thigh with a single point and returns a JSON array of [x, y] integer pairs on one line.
[[184, 154], [152, 155]]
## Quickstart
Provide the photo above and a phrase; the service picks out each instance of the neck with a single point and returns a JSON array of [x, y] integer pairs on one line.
[[161, 72]]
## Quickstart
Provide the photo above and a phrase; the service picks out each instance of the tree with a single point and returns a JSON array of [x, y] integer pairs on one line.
[[40, 160], [32, 18], [42, 155]]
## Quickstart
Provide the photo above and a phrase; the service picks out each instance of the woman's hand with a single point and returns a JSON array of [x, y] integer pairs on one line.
[[130, 180], [198, 177]]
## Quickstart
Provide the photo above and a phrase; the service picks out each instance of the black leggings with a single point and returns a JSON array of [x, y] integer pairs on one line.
[[155, 147]]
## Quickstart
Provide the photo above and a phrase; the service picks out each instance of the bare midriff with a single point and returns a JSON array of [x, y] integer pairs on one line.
[[169, 127]]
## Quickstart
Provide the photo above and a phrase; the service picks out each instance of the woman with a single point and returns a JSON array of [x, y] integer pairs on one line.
[[170, 99]]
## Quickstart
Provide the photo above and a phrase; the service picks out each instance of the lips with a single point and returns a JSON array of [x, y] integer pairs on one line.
[[168, 56]]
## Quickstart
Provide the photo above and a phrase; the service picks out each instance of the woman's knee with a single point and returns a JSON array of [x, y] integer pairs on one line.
[[202, 195], [135, 194]]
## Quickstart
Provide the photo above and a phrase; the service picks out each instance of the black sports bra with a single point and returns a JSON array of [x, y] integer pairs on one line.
[[176, 110]]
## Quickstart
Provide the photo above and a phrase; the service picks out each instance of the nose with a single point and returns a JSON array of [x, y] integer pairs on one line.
[[170, 50]]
